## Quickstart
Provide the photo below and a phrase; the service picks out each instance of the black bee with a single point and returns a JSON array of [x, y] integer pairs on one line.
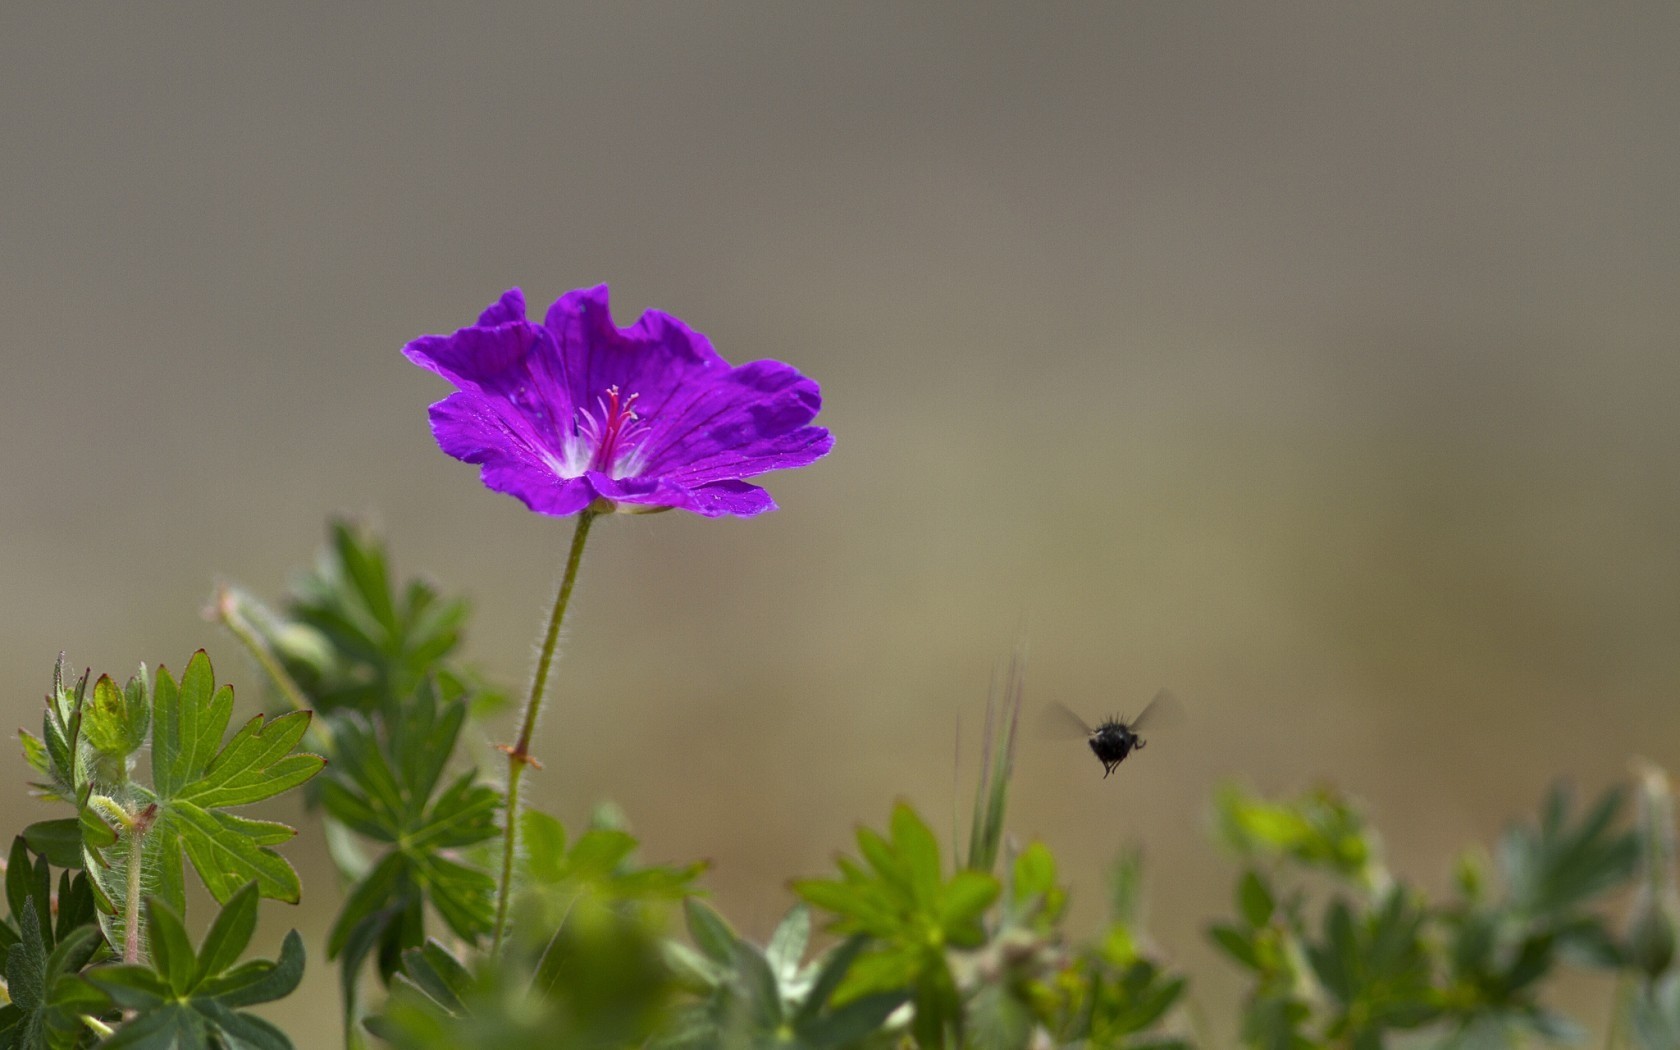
[[1116, 738]]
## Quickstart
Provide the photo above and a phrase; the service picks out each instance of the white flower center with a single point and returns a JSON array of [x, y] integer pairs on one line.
[[606, 439]]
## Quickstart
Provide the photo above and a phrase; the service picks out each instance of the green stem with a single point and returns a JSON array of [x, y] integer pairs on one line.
[[134, 828], [131, 921], [519, 755], [227, 610]]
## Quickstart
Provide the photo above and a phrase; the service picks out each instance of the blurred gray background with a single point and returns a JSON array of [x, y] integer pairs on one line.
[[1318, 361]]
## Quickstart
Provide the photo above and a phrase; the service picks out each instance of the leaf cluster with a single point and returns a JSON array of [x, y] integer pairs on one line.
[[979, 959], [43, 952], [587, 965], [772, 996], [1380, 958], [378, 659], [187, 998], [351, 639], [389, 787]]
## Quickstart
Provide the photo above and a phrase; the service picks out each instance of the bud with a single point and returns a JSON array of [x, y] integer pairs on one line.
[[1654, 923]]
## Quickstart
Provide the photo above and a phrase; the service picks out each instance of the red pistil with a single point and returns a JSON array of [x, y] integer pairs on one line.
[[617, 419]]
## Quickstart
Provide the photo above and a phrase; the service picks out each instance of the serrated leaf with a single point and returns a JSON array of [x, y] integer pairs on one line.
[[196, 778], [193, 997], [115, 719]]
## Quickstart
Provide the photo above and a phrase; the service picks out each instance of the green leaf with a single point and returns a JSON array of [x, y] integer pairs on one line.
[[60, 841], [848, 1025], [544, 839], [192, 999], [710, 933], [1236, 943], [912, 914], [196, 778], [46, 1012], [229, 934], [1556, 868], [962, 903], [758, 986], [835, 966], [788, 943], [382, 791], [1254, 899], [171, 950], [116, 719], [351, 641]]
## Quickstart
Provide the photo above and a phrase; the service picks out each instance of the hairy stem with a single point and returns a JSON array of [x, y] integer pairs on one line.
[[134, 829], [519, 755], [228, 612]]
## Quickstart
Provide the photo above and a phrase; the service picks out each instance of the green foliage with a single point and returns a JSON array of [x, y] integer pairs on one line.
[[1111, 994], [388, 786], [198, 777], [44, 952], [763, 997], [1380, 958], [186, 999], [352, 641], [378, 660], [1003, 716], [914, 917], [57, 754], [439, 1002], [1339, 953], [1319, 830]]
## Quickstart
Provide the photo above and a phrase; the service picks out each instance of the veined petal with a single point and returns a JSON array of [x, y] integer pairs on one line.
[[656, 358], [728, 497], [751, 421], [509, 308], [577, 409], [513, 458]]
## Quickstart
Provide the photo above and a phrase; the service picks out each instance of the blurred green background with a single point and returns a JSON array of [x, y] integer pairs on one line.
[[1318, 361]]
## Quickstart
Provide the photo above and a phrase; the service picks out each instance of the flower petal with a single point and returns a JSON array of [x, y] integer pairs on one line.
[[514, 362], [506, 310], [712, 501], [513, 459], [727, 497], [751, 421], [656, 359]]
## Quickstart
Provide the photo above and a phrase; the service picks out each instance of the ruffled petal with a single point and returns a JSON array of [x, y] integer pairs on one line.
[[513, 362], [512, 457], [506, 310], [656, 359], [727, 497], [751, 421], [716, 500], [536, 400]]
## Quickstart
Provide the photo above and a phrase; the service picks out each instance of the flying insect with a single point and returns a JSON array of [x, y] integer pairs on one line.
[[1115, 738]]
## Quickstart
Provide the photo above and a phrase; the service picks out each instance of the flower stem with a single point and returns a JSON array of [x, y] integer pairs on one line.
[[229, 610], [519, 755]]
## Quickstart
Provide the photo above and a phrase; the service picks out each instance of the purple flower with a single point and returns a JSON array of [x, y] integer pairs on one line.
[[576, 413]]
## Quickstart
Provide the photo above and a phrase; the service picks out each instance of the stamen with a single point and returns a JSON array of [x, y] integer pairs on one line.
[[609, 439]]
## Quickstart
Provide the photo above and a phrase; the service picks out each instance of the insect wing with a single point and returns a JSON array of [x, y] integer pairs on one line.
[[1159, 713], [1059, 721]]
